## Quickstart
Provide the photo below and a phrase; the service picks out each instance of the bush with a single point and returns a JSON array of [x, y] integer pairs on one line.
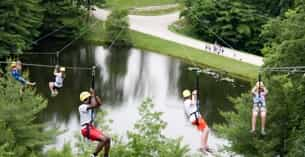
[[117, 28]]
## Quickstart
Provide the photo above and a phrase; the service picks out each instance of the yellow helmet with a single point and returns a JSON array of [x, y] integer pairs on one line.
[[62, 69], [84, 95], [13, 64], [186, 93]]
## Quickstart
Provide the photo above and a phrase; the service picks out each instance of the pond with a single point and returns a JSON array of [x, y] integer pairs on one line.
[[124, 78]]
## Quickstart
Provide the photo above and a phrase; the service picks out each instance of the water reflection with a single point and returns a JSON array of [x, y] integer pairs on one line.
[[125, 78]]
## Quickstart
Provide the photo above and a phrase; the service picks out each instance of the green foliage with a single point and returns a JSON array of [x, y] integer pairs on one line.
[[117, 28], [146, 140], [21, 135], [234, 22], [64, 13], [285, 102], [271, 7], [19, 23]]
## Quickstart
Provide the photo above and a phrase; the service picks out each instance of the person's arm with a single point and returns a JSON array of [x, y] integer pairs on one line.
[[253, 90], [56, 70], [266, 90], [95, 101], [194, 97]]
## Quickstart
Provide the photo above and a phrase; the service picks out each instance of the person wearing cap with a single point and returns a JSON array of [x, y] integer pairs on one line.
[[89, 102], [194, 116], [259, 92], [59, 74], [16, 68]]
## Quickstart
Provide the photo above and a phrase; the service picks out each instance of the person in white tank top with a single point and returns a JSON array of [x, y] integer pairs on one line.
[[194, 116], [59, 74], [89, 102]]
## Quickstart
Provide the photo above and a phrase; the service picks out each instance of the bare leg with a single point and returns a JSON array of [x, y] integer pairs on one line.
[[263, 117], [254, 115], [51, 85], [104, 143], [205, 136]]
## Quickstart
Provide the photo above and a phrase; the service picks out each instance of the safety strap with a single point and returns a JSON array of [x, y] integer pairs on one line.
[[88, 130], [196, 116]]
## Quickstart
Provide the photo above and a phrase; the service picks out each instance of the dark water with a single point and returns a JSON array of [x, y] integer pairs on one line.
[[124, 78]]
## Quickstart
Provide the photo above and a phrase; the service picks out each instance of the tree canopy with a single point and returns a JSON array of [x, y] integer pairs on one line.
[[285, 102]]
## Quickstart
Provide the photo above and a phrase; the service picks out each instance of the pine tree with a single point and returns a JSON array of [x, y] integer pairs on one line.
[[19, 23], [21, 132]]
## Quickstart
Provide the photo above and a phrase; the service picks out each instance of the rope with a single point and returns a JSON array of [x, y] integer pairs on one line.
[[293, 69], [75, 39], [50, 66], [47, 35]]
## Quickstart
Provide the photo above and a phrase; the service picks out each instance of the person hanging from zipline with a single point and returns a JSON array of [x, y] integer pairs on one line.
[[259, 92], [194, 116], [16, 71], [59, 73], [89, 102]]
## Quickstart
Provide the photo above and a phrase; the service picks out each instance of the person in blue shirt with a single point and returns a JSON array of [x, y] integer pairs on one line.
[[16, 68]]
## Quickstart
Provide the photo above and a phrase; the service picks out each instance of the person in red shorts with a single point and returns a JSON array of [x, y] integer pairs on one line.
[[89, 102], [192, 111]]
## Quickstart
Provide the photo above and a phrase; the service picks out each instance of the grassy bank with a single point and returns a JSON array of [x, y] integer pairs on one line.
[[188, 54], [155, 12], [137, 3], [194, 56]]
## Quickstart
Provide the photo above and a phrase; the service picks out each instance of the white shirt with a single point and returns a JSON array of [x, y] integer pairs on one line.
[[59, 80], [85, 114], [189, 108]]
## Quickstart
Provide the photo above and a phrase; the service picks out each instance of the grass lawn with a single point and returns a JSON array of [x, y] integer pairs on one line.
[[194, 56], [155, 12], [137, 3], [188, 54]]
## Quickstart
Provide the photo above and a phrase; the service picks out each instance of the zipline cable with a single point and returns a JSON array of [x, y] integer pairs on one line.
[[50, 66], [47, 35], [75, 39]]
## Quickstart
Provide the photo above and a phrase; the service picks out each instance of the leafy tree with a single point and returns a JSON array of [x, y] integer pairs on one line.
[[64, 13], [21, 133], [285, 101], [146, 140], [235, 22], [117, 28], [19, 24]]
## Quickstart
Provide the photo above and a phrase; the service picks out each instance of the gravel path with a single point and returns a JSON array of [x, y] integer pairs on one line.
[[158, 26]]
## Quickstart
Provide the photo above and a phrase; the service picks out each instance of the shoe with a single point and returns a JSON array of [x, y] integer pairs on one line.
[[252, 131], [92, 155], [206, 150], [263, 132]]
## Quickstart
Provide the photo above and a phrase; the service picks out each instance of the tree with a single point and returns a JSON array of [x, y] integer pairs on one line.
[[285, 101], [146, 140], [65, 14], [117, 28], [227, 22], [19, 24], [21, 132]]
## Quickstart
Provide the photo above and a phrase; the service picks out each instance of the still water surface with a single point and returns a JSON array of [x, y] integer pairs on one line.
[[124, 78]]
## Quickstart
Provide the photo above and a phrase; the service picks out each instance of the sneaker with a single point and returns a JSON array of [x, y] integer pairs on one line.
[[92, 155], [205, 150], [263, 132]]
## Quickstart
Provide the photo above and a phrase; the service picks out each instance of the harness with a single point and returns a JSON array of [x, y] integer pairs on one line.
[[196, 113]]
